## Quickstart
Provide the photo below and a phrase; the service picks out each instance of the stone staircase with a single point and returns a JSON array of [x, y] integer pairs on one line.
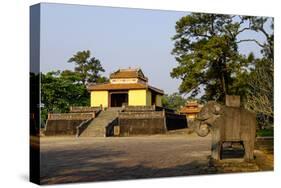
[[97, 127]]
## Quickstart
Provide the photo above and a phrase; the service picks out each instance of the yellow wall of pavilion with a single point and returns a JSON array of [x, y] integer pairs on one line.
[[158, 100], [140, 97], [99, 98], [137, 97], [148, 98]]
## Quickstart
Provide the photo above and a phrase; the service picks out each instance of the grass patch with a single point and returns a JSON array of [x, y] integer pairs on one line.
[[265, 132]]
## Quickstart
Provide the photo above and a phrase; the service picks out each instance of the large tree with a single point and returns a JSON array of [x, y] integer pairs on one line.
[[89, 68], [206, 49]]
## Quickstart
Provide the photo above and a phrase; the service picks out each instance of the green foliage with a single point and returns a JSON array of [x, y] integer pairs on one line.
[[173, 101], [207, 54], [206, 50], [265, 132], [87, 68], [60, 90]]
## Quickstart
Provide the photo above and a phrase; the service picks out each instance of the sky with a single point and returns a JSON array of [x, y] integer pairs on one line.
[[118, 37]]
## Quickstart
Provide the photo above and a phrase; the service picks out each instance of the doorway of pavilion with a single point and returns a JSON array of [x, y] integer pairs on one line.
[[118, 98]]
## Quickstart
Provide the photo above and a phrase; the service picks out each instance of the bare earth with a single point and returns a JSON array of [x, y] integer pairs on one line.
[[68, 159]]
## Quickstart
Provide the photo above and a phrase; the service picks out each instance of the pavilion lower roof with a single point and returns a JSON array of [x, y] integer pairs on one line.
[[185, 110], [127, 86]]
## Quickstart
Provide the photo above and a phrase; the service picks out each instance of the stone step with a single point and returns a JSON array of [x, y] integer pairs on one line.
[[97, 128]]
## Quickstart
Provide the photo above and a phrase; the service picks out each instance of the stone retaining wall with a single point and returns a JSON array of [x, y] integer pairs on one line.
[[148, 123], [67, 123], [138, 108], [141, 126], [62, 127]]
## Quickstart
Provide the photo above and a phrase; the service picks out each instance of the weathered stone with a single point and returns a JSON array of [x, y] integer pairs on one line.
[[83, 109], [232, 100], [116, 130], [227, 124], [71, 116], [61, 127], [143, 122]]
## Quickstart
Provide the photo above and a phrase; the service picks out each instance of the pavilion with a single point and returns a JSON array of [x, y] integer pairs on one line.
[[125, 87]]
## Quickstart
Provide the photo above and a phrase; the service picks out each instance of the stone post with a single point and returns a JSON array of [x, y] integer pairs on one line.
[[232, 100]]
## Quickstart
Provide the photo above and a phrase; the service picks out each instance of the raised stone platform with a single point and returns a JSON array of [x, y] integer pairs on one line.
[[148, 120]]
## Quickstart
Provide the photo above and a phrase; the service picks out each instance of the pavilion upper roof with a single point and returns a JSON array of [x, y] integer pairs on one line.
[[128, 73]]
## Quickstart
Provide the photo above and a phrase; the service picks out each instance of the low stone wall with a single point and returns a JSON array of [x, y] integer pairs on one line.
[[138, 108], [148, 123], [140, 115], [141, 123], [67, 123], [83, 109], [71, 116], [62, 127]]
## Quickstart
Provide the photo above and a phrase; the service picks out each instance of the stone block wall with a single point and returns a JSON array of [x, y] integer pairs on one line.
[[139, 108], [148, 123], [67, 123], [62, 127], [232, 100], [141, 123]]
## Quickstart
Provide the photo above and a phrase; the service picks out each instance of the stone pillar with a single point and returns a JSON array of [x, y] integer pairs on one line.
[[232, 100]]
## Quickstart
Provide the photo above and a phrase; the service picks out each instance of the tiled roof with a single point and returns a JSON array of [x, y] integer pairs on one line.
[[186, 110], [192, 104], [128, 73], [110, 86]]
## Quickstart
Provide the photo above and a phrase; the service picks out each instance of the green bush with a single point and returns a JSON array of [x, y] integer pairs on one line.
[[265, 132]]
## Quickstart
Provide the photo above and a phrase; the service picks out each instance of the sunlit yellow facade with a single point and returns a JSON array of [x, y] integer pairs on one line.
[[137, 98], [126, 86], [158, 100], [99, 98]]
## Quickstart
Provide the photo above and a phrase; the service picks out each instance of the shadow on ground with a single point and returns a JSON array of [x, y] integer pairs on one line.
[[85, 166], [74, 161]]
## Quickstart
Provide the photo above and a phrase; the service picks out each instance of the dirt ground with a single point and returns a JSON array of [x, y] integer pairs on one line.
[[69, 159]]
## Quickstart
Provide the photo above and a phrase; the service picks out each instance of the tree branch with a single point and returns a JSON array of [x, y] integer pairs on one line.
[[251, 40]]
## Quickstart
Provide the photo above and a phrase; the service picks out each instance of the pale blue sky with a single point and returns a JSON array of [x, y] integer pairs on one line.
[[118, 37]]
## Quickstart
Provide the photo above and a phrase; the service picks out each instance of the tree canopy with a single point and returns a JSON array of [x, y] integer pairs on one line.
[[59, 92], [174, 101], [207, 55], [206, 50], [88, 68]]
